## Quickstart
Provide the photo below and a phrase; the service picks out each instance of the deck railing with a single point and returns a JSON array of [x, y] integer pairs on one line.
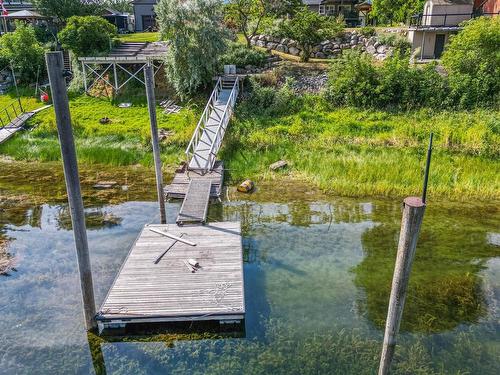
[[444, 19], [203, 120], [221, 129], [9, 113]]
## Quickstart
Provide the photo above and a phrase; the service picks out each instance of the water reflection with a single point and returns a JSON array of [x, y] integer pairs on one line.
[[317, 277]]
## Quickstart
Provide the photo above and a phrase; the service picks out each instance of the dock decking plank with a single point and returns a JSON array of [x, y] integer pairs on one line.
[[168, 291]]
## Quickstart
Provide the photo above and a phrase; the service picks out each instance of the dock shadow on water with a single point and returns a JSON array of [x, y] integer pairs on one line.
[[317, 275]]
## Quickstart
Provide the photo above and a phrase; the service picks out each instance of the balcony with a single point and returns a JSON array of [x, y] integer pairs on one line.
[[448, 20]]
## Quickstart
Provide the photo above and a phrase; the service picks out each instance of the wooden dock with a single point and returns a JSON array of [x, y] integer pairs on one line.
[[145, 292], [195, 205], [178, 188]]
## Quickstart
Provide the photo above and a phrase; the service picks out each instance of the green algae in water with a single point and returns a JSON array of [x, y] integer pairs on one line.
[[317, 274]]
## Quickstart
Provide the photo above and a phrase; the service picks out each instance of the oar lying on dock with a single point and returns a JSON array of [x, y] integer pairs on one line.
[[163, 254], [172, 237]]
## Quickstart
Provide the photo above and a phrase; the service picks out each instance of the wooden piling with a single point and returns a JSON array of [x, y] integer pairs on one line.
[[55, 66], [413, 213], [150, 92]]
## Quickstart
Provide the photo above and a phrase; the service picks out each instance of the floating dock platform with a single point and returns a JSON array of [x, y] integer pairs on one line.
[[171, 290], [180, 184]]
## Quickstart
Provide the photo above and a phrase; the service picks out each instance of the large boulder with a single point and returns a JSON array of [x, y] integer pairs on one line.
[[381, 49], [371, 49], [271, 45], [320, 55], [282, 48], [294, 51], [260, 43]]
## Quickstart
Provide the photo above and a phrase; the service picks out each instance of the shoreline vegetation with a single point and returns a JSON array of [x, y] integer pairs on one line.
[[343, 151]]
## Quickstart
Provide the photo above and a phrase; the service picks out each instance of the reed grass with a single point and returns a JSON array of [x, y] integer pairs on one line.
[[354, 152]]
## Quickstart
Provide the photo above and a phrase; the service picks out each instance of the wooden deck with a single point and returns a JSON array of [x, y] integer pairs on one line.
[[179, 186], [145, 292], [195, 206]]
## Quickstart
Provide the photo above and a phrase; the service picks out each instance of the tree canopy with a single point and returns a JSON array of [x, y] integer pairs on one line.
[[62, 10], [196, 39], [388, 11], [22, 50], [247, 15], [87, 36]]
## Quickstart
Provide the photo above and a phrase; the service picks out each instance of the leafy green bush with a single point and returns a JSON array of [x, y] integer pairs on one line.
[[21, 49], [270, 100], [355, 80], [87, 36], [472, 60], [367, 31], [309, 28], [241, 56]]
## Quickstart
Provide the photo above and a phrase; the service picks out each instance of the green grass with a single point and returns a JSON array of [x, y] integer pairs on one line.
[[343, 151], [123, 141], [140, 37], [355, 152]]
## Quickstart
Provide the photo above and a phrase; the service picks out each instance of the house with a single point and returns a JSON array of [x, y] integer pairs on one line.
[[344, 8], [144, 14], [122, 21], [431, 30]]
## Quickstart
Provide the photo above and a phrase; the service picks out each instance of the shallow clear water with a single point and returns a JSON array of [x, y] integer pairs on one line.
[[317, 273]]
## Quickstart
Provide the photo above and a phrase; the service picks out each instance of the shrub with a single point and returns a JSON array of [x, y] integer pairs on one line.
[[88, 35], [241, 56], [309, 28], [367, 31], [472, 60], [355, 80], [196, 39], [22, 49], [270, 100]]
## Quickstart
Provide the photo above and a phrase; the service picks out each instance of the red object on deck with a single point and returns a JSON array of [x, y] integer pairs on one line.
[[44, 97]]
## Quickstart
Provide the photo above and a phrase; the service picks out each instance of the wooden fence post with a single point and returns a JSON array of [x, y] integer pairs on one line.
[[55, 66], [150, 93]]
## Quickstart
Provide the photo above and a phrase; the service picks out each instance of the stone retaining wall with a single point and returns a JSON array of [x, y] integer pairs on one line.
[[329, 49]]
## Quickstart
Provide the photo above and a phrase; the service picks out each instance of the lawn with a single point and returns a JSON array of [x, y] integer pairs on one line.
[[122, 141], [140, 37]]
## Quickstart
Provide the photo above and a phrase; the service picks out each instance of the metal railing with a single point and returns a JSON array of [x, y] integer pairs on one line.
[[9, 113], [204, 119], [221, 128], [444, 19]]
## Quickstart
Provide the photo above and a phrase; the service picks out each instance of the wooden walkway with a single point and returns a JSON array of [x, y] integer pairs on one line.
[[17, 124], [179, 186], [145, 292], [195, 205]]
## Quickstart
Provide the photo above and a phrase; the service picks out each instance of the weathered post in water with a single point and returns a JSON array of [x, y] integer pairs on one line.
[[413, 214], [150, 93], [55, 66]]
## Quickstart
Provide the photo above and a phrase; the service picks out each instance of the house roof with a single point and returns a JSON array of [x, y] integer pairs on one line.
[[25, 14]]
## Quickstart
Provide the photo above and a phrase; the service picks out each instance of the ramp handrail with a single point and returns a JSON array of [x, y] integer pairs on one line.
[[221, 129], [10, 112], [190, 149]]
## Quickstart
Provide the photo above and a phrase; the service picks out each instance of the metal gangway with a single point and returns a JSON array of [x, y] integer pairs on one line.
[[209, 133]]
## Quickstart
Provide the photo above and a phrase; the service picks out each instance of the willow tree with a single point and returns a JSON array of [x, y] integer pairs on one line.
[[196, 38]]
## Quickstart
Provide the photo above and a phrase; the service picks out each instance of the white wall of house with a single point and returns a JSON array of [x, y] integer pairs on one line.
[[446, 12]]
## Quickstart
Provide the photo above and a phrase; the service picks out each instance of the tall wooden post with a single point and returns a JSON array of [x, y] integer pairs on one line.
[[150, 92], [413, 213], [55, 66]]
